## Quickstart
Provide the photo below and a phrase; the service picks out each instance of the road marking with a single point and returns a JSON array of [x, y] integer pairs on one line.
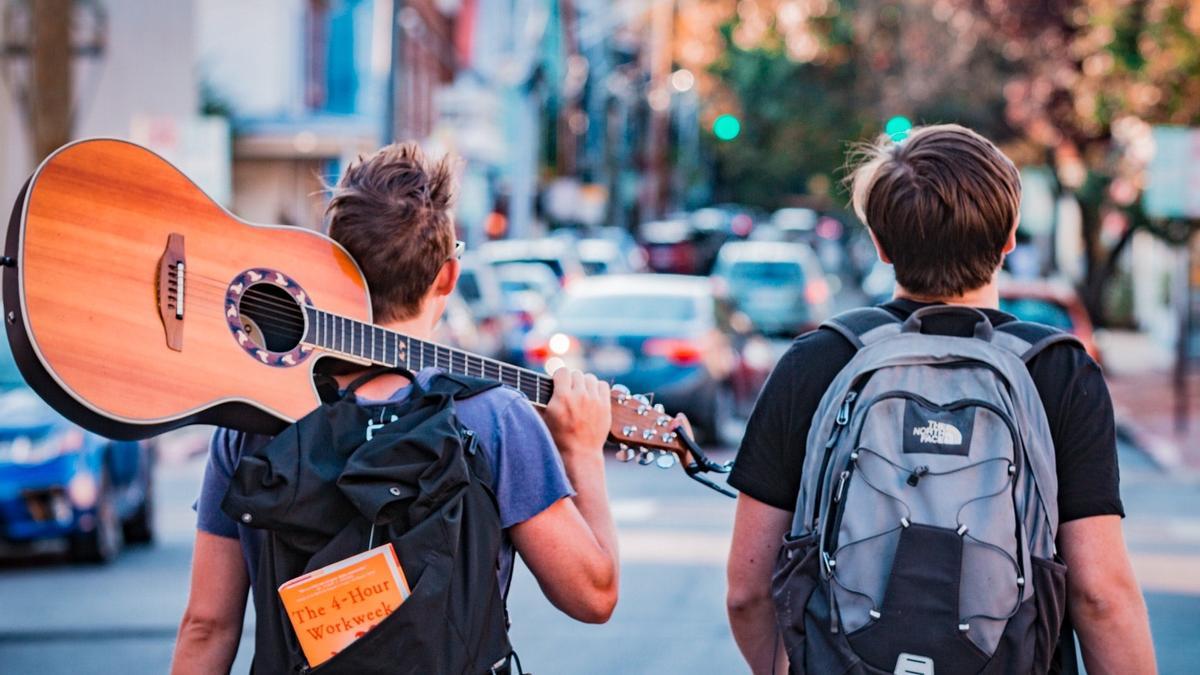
[[633, 510], [673, 547], [1167, 573]]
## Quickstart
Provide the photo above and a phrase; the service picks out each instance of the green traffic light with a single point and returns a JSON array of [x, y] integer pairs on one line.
[[898, 128], [726, 127]]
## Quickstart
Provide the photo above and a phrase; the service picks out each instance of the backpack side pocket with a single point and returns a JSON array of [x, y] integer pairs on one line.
[[1050, 596], [796, 576]]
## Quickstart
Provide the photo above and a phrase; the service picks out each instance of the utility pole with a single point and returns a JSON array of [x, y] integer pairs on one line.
[[395, 71], [662, 18], [50, 113]]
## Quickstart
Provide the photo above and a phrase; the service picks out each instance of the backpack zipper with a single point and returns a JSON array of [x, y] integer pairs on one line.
[[840, 423], [836, 509]]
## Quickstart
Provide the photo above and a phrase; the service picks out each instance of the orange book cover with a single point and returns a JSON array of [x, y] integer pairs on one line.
[[337, 604]]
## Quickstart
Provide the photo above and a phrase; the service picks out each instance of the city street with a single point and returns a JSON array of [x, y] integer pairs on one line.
[[60, 618]]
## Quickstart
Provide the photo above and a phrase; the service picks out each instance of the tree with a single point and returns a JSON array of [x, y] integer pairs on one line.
[[811, 77], [1088, 78]]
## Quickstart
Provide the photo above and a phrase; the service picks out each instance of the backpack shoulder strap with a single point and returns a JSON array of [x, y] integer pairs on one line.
[[864, 326], [1027, 339]]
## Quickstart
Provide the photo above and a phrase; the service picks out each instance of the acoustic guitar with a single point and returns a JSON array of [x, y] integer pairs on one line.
[[135, 304]]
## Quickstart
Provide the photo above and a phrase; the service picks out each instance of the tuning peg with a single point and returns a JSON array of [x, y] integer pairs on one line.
[[621, 391], [658, 408], [641, 398], [665, 460], [645, 457], [625, 453]]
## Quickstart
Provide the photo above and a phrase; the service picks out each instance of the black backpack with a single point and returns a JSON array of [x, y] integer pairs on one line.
[[346, 478]]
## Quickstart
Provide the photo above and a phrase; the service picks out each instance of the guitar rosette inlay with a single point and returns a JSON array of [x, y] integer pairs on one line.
[[265, 310]]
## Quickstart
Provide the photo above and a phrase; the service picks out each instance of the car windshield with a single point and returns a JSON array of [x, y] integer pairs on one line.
[[1040, 311], [766, 272], [509, 286], [630, 307], [10, 377]]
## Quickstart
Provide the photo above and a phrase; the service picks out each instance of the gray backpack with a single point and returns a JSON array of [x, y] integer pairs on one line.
[[923, 539]]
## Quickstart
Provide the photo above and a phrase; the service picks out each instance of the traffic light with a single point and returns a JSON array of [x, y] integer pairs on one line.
[[726, 127], [898, 128]]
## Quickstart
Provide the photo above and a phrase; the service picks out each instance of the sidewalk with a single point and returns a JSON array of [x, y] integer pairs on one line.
[[1141, 379]]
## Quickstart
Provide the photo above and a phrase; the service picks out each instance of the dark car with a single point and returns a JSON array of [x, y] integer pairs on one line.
[[670, 247], [664, 334], [780, 286], [59, 482]]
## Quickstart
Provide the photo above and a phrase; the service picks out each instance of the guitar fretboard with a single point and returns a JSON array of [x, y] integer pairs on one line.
[[366, 342]]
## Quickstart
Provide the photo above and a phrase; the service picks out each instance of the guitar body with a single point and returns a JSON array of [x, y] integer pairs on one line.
[[126, 302]]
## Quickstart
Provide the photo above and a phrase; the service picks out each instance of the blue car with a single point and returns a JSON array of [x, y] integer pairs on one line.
[[658, 333], [59, 482]]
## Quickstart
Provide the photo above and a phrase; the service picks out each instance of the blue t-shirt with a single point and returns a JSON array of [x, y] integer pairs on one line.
[[527, 471]]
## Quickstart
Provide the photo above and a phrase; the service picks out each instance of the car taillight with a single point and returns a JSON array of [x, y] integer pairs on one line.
[[543, 349], [816, 292], [678, 351]]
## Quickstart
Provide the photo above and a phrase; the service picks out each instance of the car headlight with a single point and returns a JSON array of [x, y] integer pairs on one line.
[[22, 450]]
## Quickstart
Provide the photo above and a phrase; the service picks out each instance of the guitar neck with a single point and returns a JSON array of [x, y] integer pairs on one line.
[[366, 342]]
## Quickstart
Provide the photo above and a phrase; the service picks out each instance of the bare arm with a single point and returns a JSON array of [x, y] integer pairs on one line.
[[212, 623], [758, 530], [1106, 605], [571, 547]]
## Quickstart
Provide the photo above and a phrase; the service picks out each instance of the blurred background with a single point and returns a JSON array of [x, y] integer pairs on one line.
[[652, 190]]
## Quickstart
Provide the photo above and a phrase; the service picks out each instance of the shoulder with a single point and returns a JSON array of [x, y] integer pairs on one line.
[[227, 446], [497, 413], [1064, 367]]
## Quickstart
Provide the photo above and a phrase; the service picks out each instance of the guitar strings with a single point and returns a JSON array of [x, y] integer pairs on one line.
[[280, 313]]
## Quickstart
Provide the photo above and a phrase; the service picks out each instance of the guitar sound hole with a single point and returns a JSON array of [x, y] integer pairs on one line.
[[272, 317]]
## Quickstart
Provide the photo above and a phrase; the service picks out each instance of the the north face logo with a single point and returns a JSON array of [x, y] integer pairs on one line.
[[939, 433]]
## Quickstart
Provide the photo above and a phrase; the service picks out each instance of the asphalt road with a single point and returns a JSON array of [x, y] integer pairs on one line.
[[59, 618]]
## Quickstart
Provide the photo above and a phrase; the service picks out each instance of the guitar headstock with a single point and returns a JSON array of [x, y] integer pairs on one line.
[[642, 429]]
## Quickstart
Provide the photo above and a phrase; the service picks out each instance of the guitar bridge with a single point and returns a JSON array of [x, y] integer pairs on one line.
[[171, 269]]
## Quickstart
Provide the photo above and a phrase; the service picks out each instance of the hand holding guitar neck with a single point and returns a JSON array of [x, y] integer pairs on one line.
[[646, 433]]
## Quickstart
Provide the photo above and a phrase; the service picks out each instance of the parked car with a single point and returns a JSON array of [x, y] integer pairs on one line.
[[460, 328], [796, 224], [780, 286], [630, 249], [60, 482], [665, 334], [603, 256], [557, 253], [1054, 303], [669, 246], [526, 289], [479, 288]]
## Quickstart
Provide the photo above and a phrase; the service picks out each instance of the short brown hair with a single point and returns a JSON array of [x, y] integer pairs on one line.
[[391, 210], [942, 203]]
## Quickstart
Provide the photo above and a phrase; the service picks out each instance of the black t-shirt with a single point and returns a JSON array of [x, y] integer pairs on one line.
[[1071, 386]]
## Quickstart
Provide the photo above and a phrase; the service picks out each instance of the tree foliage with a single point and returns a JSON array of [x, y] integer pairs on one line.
[[1072, 83]]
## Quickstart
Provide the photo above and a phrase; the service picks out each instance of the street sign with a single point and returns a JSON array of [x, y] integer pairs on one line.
[[1173, 176], [198, 146]]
